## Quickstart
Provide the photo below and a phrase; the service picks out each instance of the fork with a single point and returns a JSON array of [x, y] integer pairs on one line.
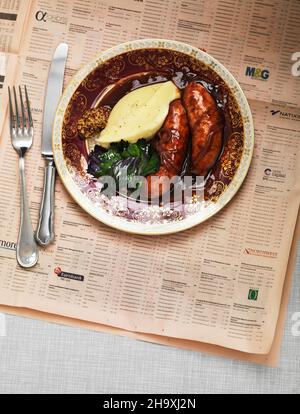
[[21, 131]]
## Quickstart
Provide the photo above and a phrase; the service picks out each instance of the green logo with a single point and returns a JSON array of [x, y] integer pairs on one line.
[[253, 294]]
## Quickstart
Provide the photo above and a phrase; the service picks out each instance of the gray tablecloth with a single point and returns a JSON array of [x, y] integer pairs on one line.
[[47, 358]]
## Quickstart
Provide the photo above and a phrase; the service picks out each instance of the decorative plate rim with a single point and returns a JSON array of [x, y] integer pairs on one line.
[[162, 228]]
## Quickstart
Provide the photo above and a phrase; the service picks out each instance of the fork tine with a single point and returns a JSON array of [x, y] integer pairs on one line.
[[30, 123], [11, 112], [22, 108], [16, 109]]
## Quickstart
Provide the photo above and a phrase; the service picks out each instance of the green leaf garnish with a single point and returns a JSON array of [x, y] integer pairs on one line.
[[139, 159]]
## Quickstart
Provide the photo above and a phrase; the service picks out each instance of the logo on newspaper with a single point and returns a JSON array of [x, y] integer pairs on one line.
[[257, 73], [8, 245], [68, 275], [285, 115], [273, 175], [43, 16], [262, 253], [40, 16], [274, 112], [253, 294]]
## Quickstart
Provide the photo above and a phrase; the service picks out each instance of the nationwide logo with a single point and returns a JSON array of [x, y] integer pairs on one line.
[[262, 253], [257, 73], [273, 112], [285, 115], [67, 275]]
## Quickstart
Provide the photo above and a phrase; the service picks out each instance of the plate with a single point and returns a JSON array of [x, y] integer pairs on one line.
[[177, 61]]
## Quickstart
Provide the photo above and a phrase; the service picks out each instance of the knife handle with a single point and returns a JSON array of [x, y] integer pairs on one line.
[[45, 230]]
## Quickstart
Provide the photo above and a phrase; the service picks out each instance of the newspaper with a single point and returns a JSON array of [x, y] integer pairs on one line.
[[219, 283]]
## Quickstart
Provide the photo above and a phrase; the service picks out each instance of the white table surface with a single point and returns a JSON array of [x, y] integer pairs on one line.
[[39, 357]]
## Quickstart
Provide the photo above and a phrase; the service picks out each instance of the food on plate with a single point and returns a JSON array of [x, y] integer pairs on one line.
[[170, 144], [155, 131], [206, 127], [92, 122], [139, 114]]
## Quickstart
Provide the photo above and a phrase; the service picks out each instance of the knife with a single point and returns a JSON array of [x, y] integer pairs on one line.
[[45, 230]]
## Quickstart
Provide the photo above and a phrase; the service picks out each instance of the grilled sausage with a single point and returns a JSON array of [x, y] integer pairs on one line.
[[206, 126], [171, 145]]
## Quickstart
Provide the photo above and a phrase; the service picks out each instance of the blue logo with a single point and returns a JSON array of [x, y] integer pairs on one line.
[[257, 73]]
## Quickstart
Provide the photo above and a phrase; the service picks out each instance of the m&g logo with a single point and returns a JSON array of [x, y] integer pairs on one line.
[[257, 73]]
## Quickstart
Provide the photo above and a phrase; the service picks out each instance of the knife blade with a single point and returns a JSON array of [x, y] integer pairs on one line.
[[45, 230]]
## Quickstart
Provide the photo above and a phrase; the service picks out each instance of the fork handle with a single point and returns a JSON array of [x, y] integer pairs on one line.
[[45, 230], [27, 251]]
